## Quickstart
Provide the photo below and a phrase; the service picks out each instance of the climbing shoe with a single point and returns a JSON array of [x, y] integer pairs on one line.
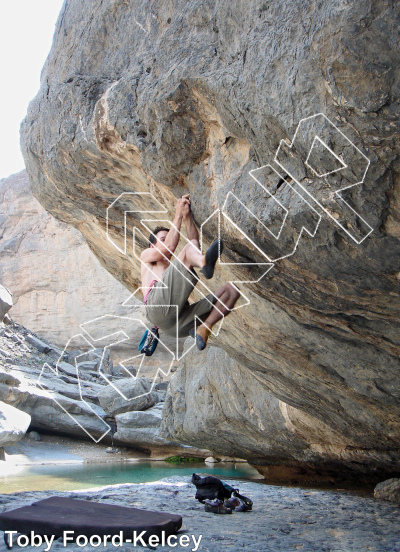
[[216, 507], [232, 503], [212, 254], [201, 336], [246, 503]]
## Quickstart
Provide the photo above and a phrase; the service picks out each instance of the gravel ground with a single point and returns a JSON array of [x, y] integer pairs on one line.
[[283, 519]]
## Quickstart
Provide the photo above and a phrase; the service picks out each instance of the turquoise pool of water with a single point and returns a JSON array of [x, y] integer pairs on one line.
[[68, 477]]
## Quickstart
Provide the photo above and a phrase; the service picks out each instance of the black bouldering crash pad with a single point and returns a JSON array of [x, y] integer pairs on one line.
[[53, 516]]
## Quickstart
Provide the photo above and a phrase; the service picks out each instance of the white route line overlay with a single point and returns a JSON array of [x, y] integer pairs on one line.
[[126, 337], [337, 193], [50, 395], [269, 262]]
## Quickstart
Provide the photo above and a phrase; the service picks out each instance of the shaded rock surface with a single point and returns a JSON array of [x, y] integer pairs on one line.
[[388, 490], [185, 97], [143, 428], [34, 435], [294, 518], [13, 424], [212, 401]]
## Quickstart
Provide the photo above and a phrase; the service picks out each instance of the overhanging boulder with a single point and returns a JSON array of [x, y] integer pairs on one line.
[[192, 100]]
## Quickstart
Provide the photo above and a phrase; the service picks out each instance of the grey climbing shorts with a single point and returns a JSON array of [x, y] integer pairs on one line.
[[167, 304]]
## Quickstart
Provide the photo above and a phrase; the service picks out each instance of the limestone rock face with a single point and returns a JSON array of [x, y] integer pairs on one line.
[[76, 400], [181, 97], [143, 429], [213, 401], [68, 399], [137, 393], [13, 424], [56, 281], [388, 490], [51, 408]]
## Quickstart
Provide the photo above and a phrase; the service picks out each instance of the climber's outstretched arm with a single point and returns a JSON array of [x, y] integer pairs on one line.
[[165, 246], [191, 230]]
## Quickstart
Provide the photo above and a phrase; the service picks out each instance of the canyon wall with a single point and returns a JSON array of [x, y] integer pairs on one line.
[[189, 97], [56, 281]]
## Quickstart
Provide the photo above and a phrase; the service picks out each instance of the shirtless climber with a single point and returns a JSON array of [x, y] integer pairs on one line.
[[168, 306]]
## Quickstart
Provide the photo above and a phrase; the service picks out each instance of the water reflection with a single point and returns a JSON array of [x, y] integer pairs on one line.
[[67, 477]]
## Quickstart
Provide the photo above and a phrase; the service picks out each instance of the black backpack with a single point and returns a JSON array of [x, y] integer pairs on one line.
[[210, 487]]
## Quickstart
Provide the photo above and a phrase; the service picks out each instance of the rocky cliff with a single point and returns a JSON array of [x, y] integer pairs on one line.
[[64, 393], [56, 281], [189, 96]]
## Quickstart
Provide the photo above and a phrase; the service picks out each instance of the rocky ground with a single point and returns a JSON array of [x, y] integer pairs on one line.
[[283, 519], [73, 399], [14, 348]]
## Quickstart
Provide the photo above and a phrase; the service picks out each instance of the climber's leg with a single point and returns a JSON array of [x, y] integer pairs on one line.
[[227, 297]]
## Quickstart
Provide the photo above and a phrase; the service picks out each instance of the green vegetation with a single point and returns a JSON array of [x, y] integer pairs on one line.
[[179, 459]]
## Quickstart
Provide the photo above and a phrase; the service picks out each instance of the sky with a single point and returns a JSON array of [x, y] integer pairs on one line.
[[26, 34]]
